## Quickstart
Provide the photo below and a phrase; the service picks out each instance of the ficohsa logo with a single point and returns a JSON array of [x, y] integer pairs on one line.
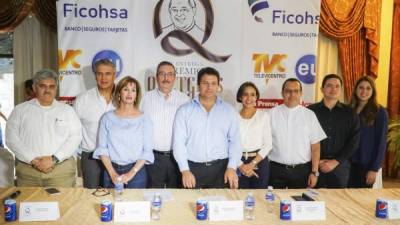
[[305, 69], [111, 55]]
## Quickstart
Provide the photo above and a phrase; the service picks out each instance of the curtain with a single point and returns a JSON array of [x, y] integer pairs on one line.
[[12, 13], [394, 81], [327, 62], [355, 25], [35, 48]]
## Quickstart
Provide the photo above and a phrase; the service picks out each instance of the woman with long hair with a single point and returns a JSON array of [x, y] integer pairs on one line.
[[125, 138], [367, 160], [256, 139]]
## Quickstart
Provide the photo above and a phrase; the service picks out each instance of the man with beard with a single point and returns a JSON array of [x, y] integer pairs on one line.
[[161, 105]]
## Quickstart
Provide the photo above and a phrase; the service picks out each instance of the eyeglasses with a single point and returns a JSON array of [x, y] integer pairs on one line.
[[100, 192], [166, 74]]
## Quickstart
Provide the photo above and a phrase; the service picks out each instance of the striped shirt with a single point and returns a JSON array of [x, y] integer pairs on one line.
[[162, 113]]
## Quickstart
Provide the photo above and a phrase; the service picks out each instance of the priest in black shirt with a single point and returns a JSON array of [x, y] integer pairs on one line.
[[342, 126]]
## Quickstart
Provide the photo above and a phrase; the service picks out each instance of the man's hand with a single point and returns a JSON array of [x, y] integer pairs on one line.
[[44, 164], [231, 177], [248, 170], [312, 180], [188, 179], [327, 165], [371, 177]]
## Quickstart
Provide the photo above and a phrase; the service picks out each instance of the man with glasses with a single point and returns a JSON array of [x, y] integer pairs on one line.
[[296, 134], [90, 106], [161, 105], [206, 137], [44, 134]]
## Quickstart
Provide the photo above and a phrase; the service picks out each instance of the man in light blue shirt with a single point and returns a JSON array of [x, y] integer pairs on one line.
[[206, 137]]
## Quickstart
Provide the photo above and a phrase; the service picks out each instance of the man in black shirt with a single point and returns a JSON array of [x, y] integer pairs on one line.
[[342, 126]]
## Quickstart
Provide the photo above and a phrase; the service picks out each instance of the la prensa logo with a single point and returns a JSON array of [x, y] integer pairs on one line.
[[256, 7]]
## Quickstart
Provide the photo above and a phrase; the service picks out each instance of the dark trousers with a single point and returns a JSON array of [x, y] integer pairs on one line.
[[209, 175], [337, 178], [138, 181], [283, 176], [254, 182], [164, 172], [92, 171], [358, 175]]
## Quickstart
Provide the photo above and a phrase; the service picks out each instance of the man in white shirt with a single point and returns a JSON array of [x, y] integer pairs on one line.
[[161, 105], [44, 134], [296, 136], [90, 107]]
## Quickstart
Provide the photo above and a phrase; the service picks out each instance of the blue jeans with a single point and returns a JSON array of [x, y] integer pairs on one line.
[[138, 181]]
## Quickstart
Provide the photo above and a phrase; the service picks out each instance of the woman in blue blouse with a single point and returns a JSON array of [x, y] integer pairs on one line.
[[124, 141], [366, 162]]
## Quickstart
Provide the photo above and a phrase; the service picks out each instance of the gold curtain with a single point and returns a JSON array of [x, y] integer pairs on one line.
[[394, 81], [355, 25], [394, 78]]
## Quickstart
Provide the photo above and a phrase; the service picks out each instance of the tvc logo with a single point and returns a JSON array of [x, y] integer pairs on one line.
[[68, 59], [111, 55], [266, 63]]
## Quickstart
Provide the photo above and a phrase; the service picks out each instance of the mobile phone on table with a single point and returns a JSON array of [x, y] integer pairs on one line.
[[52, 191]]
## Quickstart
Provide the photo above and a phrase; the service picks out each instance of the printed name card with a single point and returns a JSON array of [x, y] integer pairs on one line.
[[138, 211], [393, 209], [308, 210], [38, 211], [225, 210]]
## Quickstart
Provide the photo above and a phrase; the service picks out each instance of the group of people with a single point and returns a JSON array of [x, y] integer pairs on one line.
[[167, 140]]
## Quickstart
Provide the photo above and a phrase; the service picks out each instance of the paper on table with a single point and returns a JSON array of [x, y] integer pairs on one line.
[[38, 211], [165, 194]]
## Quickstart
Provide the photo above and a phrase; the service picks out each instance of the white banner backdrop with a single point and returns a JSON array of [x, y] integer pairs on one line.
[[263, 41]]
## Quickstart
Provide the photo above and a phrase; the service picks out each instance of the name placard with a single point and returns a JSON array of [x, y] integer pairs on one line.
[[225, 210], [38, 211], [308, 210], [393, 209], [138, 211]]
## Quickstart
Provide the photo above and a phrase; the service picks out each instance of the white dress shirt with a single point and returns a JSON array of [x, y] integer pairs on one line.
[[33, 130], [294, 130], [162, 113], [90, 106], [255, 133]]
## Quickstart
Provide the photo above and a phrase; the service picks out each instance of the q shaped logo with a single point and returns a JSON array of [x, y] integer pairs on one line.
[[305, 69], [111, 55], [184, 27]]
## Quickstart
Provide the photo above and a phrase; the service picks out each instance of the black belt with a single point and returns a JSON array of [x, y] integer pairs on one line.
[[164, 153], [246, 155], [291, 166], [117, 166], [209, 163]]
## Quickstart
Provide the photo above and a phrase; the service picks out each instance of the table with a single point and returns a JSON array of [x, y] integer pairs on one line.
[[79, 206]]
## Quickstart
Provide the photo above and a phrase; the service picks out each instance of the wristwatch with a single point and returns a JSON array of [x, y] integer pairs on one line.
[[55, 159], [316, 173]]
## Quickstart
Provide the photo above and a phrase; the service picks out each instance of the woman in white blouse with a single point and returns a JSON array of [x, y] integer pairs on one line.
[[256, 138]]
